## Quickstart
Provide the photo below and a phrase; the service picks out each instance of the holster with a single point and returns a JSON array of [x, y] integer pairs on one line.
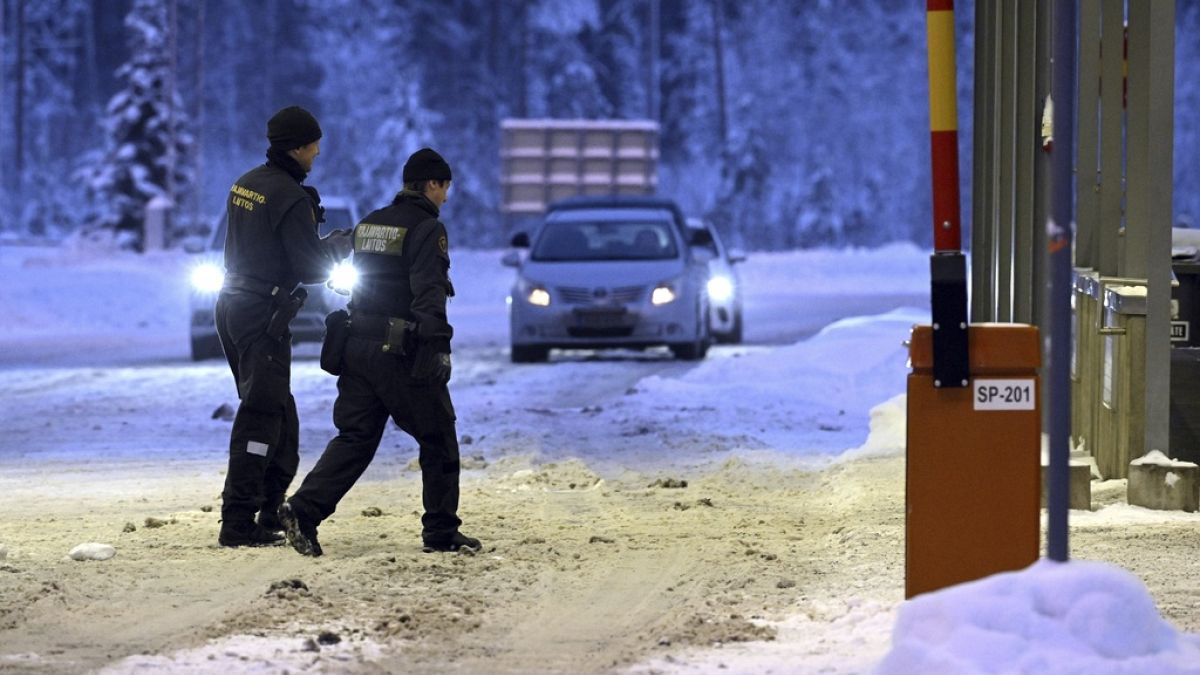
[[401, 337], [284, 312], [337, 329]]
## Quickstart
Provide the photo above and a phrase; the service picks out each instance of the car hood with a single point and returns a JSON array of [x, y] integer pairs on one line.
[[602, 272]]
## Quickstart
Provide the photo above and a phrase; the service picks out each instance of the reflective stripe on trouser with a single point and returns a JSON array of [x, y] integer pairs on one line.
[[264, 442], [373, 387]]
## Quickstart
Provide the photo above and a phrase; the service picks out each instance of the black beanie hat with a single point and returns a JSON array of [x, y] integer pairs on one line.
[[292, 128], [425, 164]]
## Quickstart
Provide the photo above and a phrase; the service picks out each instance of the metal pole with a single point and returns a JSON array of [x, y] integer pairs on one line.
[[1042, 179], [1059, 231], [1112, 135], [1088, 153], [1006, 162], [1025, 147], [1149, 213], [983, 221]]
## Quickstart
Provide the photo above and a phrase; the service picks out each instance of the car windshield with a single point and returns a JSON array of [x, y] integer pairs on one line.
[[605, 240]]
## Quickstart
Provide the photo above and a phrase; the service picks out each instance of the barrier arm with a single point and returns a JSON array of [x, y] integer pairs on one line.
[[947, 267]]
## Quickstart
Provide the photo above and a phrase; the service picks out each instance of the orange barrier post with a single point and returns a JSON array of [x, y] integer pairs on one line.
[[973, 472]]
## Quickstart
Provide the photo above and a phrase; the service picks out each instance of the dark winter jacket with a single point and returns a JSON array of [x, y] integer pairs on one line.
[[272, 232], [403, 261]]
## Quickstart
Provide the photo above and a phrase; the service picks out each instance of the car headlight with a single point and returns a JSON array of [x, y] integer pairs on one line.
[[539, 296], [720, 288], [662, 294], [343, 277], [208, 277]]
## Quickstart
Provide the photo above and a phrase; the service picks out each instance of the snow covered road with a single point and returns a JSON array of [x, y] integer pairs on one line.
[[639, 513]]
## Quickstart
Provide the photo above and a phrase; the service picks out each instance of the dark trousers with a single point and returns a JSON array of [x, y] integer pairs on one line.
[[374, 386], [264, 444]]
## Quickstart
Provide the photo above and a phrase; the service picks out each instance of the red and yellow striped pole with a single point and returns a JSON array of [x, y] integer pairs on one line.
[[943, 126]]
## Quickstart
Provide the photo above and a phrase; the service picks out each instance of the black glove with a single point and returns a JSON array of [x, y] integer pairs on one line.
[[432, 363]]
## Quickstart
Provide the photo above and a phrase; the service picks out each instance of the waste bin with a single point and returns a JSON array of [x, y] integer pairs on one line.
[[1120, 419], [1185, 359], [1085, 361], [1185, 302]]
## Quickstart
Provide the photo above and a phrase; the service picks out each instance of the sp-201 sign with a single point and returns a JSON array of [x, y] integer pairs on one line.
[[1004, 394]]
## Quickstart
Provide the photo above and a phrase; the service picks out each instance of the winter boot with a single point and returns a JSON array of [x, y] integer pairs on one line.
[[268, 518], [301, 534], [455, 542], [246, 533]]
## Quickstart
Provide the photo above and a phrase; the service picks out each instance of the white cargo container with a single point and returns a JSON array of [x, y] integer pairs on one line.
[[545, 160]]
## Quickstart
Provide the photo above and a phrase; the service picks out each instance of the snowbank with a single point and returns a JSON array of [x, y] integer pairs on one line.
[[1079, 617], [807, 398]]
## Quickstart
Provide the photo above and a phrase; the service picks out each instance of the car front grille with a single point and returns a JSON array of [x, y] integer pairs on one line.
[[579, 295], [600, 332]]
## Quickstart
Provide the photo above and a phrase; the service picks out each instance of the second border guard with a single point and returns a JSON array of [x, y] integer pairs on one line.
[[393, 361]]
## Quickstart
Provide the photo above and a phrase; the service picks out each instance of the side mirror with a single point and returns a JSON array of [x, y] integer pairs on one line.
[[700, 238], [737, 255], [511, 259], [520, 240]]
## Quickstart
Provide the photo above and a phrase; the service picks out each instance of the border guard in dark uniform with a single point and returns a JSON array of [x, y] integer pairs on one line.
[[393, 361], [271, 247]]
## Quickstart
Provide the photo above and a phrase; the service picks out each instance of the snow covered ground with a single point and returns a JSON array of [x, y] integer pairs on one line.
[[784, 553]]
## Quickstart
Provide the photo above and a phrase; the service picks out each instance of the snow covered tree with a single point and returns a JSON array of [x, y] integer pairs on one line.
[[147, 138], [373, 119]]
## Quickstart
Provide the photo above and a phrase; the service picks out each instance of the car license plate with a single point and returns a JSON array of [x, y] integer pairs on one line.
[[605, 318]]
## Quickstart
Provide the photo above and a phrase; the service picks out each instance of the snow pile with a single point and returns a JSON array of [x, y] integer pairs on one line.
[[889, 430], [256, 654], [1157, 458], [75, 291], [784, 395], [1079, 617], [92, 551]]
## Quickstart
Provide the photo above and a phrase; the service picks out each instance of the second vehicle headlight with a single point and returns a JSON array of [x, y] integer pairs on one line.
[[539, 296], [208, 277], [343, 277], [720, 288], [662, 294]]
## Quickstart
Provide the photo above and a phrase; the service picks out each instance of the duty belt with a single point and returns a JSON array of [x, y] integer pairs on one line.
[[398, 335], [376, 326], [242, 282]]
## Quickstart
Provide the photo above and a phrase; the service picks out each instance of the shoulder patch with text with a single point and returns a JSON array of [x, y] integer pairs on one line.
[[245, 198], [386, 239]]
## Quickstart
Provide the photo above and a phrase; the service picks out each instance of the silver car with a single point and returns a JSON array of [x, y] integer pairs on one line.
[[724, 285], [609, 272], [208, 274]]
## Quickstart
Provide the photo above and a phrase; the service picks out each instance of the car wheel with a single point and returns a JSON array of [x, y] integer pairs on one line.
[[529, 354], [690, 351], [734, 336], [206, 347]]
